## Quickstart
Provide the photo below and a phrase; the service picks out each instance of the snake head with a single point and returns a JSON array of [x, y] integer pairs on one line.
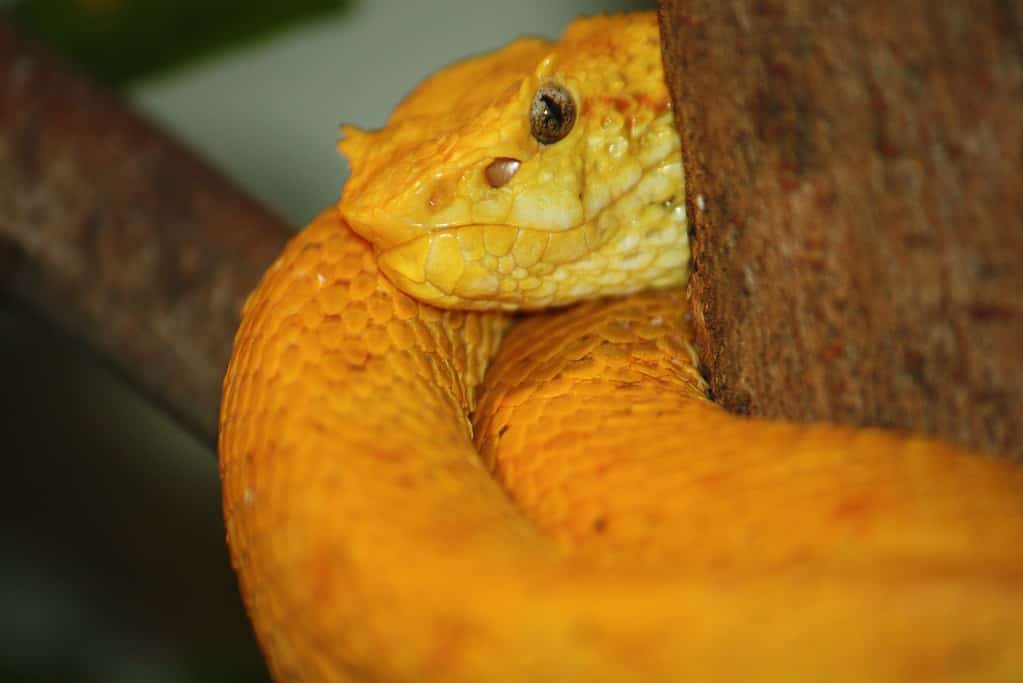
[[537, 175]]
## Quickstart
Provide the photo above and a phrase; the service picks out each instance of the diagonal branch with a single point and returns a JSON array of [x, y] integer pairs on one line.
[[121, 236]]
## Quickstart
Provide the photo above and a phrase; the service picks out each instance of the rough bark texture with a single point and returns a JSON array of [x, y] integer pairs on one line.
[[855, 179], [121, 236]]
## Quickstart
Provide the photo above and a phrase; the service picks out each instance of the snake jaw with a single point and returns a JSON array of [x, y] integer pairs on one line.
[[434, 270], [469, 267], [502, 267]]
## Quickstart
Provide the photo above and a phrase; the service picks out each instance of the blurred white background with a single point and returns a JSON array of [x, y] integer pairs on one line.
[[268, 115]]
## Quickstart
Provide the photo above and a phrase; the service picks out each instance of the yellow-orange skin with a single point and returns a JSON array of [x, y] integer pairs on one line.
[[596, 518], [599, 212]]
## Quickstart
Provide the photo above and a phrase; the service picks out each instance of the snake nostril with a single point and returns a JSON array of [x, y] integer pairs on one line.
[[501, 170]]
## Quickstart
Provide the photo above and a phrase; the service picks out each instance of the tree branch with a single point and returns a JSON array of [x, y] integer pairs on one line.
[[854, 171], [119, 235]]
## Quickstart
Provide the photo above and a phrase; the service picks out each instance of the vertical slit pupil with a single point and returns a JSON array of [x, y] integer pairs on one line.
[[552, 115]]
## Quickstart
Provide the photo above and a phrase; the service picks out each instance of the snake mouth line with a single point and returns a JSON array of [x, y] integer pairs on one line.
[[497, 266], [482, 265], [420, 231], [385, 233]]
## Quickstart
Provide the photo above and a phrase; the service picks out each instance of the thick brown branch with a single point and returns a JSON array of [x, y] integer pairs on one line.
[[121, 236], [855, 177]]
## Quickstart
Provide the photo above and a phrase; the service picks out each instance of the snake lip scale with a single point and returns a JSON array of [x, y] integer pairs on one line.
[[416, 489]]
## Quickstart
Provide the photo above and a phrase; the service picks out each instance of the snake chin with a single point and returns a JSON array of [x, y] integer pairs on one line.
[[479, 267]]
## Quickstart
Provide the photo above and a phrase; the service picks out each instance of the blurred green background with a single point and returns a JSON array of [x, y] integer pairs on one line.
[[112, 561]]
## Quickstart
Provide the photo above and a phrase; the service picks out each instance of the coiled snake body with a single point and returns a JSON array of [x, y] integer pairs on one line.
[[417, 493]]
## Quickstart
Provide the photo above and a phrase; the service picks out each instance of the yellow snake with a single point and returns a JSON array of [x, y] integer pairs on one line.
[[404, 505]]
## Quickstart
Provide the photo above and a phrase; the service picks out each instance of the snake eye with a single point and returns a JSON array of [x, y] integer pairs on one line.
[[552, 114]]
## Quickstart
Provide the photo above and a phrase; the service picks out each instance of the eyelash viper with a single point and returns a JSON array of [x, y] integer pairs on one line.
[[417, 493]]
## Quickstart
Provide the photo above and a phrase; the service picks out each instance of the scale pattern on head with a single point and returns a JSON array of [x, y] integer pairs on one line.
[[535, 176]]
